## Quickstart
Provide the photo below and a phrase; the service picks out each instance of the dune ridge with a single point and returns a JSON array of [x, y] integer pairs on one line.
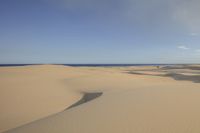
[[87, 96], [126, 102]]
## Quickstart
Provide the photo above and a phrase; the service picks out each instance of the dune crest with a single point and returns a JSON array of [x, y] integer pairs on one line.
[[86, 98], [127, 99]]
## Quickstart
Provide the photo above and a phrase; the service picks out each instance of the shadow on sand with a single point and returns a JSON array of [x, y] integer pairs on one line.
[[175, 76], [193, 78], [181, 67], [86, 98]]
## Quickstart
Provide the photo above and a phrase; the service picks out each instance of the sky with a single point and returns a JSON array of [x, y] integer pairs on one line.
[[99, 31]]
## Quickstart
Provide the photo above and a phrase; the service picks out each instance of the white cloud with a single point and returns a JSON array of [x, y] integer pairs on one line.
[[197, 50], [183, 47], [194, 34], [196, 53], [186, 13]]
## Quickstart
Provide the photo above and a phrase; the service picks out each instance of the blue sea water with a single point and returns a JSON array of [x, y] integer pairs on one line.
[[6, 65], [89, 65], [109, 65]]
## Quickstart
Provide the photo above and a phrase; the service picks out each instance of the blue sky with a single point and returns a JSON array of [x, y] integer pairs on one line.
[[99, 31]]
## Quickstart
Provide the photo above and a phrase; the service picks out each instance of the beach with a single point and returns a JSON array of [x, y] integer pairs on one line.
[[131, 99]]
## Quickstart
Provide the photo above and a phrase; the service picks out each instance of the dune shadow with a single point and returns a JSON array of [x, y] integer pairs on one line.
[[181, 67], [193, 78], [138, 73], [175, 76], [86, 98]]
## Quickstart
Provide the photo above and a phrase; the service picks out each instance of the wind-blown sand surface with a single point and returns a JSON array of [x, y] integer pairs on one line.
[[41, 99]]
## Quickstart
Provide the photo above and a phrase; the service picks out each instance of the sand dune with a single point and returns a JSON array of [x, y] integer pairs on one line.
[[32, 92], [179, 72], [130, 103], [86, 98]]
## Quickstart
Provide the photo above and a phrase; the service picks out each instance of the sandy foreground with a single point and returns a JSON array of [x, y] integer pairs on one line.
[[50, 99]]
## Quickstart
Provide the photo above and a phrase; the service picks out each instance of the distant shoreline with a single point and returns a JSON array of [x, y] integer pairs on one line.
[[95, 65]]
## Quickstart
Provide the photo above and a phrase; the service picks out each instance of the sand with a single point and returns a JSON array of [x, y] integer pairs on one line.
[[41, 99]]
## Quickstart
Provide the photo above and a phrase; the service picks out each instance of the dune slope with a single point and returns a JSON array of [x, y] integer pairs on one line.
[[130, 103]]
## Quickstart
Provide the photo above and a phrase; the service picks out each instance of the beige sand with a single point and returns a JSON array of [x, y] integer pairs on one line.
[[130, 103]]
